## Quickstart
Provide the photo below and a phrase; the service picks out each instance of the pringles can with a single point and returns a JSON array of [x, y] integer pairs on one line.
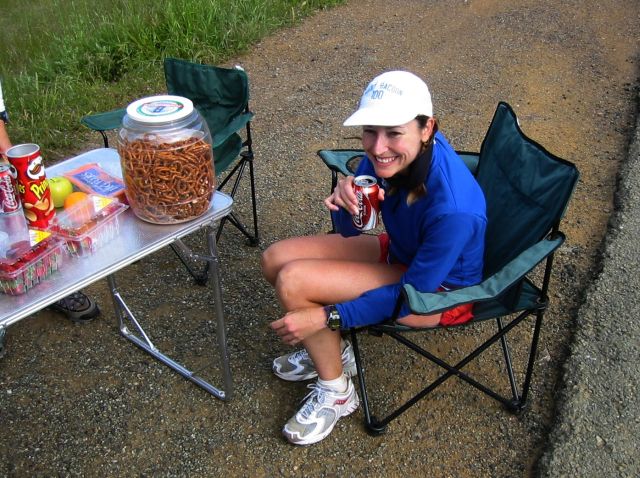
[[366, 189], [32, 184]]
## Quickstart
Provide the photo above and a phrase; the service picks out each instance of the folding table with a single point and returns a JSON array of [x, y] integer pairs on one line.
[[136, 239]]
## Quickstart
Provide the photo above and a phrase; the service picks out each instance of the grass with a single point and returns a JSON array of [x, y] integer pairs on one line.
[[62, 59]]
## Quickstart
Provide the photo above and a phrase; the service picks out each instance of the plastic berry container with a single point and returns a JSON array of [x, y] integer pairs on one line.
[[89, 224], [30, 260]]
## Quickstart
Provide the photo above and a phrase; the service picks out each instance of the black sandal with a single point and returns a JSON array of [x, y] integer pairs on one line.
[[78, 307]]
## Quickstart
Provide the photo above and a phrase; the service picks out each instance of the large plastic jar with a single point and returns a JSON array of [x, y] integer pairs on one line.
[[167, 160]]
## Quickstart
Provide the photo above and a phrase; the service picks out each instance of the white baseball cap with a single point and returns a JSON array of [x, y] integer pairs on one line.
[[391, 99]]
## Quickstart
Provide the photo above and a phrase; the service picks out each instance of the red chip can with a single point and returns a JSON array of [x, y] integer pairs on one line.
[[9, 196], [32, 184], [366, 189]]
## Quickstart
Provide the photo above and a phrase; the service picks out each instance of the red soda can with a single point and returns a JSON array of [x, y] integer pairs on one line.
[[9, 196], [32, 184], [366, 189]]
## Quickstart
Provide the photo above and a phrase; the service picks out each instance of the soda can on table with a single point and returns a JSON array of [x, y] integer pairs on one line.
[[366, 189], [9, 196], [32, 183], [13, 224]]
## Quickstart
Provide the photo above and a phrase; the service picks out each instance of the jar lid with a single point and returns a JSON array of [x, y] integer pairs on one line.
[[160, 109]]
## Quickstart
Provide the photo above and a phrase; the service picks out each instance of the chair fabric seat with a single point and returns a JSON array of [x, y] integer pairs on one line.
[[226, 153], [105, 121], [528, 298]]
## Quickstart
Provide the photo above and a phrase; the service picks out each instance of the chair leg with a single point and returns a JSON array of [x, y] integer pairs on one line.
[[376, 426], [508, 363], [334, 183], [201, 278], [237, 223], [105, 139], [456, 369], [532, 357], [371, 423], [254, 205], [238, 171]]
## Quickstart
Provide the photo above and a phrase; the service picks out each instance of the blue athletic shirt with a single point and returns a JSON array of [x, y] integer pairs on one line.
[[440, 237]]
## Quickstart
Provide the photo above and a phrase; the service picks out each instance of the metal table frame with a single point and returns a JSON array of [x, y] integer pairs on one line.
[[136, 240]]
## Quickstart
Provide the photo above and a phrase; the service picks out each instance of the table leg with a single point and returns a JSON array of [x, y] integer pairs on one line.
[[140, 338], [221, 329], [3, 334]]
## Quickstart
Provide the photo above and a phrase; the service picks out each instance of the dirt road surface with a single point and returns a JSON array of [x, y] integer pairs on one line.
[[80, 400]]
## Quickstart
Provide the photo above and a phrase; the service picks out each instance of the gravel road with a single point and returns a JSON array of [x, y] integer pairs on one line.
[[597, 429], [81, 401]]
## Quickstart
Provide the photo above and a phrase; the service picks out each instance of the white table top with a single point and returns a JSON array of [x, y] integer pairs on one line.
[[136, 240]]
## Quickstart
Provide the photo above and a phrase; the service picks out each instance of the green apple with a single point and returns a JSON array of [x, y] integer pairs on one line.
[[60, 188]]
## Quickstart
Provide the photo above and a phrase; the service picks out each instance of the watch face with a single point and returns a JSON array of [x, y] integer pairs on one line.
[[334, 321]]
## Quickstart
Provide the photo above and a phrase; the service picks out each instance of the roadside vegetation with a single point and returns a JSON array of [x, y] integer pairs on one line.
[[62, 59]]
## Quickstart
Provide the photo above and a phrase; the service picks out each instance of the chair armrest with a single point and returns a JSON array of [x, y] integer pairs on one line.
[[337, 160], [235, 125], [104, 121], [423, 303]]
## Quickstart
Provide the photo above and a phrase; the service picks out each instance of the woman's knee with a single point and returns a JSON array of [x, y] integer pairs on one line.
[[267, 260], [290, 286], [280, 253], [272, 260]]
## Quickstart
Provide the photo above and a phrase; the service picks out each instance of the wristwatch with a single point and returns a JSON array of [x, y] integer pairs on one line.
[[334, 321], [4, 117]]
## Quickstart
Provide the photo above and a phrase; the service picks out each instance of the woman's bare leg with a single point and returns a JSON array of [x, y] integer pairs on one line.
[[313, 271], [309, 283], [363, 248]]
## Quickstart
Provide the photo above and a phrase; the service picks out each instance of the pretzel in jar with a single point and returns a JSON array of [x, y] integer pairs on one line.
[[168, 182]]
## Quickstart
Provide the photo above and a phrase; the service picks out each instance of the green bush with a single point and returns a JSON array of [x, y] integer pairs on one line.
[[63, 59]]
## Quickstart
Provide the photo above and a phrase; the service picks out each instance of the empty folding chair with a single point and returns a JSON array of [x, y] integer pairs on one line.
[[221, 96]]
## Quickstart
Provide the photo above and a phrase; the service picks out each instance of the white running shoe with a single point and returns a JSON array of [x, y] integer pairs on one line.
[[298, 366], [320, 412]]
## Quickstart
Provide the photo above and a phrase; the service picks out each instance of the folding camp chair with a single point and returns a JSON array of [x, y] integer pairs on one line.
[[527, 190], [221, 95]]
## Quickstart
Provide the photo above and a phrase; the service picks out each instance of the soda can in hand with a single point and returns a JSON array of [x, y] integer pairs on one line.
[[366, 189]]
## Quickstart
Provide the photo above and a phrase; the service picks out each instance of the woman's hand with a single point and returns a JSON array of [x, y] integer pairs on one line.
[[299, 324], [343, 196]]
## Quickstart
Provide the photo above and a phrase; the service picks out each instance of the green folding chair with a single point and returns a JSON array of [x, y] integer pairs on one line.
[[527, 190], [221, 96]]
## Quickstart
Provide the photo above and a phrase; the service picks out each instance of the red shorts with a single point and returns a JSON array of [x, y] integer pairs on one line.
[[459, 315]]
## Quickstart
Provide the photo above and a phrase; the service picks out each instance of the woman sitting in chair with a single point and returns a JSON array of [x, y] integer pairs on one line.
[[434, 216]]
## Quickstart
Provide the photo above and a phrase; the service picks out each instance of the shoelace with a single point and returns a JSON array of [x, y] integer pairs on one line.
[[302, 354], [316, 395], [298, 356]]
